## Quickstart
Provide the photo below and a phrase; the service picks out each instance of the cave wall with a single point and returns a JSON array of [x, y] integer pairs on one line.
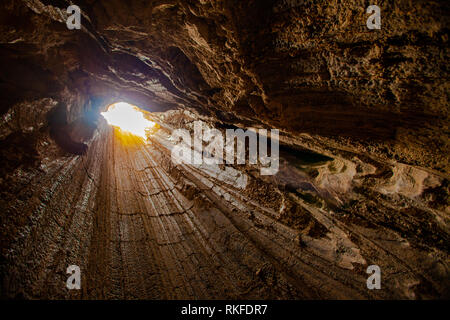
[[300, 66], [375, 101]]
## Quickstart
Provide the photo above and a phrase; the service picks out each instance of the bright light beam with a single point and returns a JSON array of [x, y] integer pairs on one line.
[[128, 118]]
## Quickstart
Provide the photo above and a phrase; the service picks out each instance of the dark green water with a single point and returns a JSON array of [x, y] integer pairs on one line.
[[302, 157]]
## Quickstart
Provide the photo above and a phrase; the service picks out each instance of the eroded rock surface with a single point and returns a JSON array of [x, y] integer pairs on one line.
[[363, 176]]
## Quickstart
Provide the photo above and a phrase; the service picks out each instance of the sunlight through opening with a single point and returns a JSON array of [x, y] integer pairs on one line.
[[128, 118]]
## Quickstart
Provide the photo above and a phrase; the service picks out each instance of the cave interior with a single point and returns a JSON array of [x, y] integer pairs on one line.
[[362, 175]]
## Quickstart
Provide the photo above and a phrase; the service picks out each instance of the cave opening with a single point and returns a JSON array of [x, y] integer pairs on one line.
[[352, 122], [129, 119]]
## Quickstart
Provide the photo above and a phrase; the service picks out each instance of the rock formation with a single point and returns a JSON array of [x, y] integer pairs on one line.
[[363, 179]]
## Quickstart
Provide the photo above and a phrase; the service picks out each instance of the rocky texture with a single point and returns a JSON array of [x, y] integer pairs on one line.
[[372, 104], [141, 228], [284, 63]]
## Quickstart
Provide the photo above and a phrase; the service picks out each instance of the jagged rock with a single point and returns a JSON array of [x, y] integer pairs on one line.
[[363, 176]]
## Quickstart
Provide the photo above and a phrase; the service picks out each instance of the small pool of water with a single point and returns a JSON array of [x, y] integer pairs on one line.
[[302, 157]]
